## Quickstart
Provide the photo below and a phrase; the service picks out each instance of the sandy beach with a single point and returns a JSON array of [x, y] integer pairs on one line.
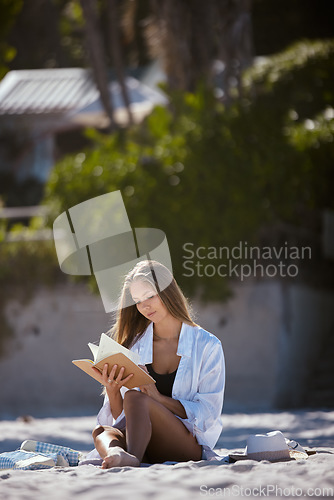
[[304, 478]]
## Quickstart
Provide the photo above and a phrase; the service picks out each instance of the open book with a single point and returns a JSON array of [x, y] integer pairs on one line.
[[112, 353]]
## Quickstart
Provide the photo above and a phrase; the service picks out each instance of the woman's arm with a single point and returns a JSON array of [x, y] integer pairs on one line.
[[113, 388], [171, 404]]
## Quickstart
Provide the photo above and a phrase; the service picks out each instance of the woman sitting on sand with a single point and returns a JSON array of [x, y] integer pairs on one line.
[[178, 418]]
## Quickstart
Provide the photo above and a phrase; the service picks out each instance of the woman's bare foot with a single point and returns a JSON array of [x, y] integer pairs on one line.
[[117, 457]]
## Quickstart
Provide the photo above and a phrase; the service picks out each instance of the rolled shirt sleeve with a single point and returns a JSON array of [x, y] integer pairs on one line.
[[105, 417]]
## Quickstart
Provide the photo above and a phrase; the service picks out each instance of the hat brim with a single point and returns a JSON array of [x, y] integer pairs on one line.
[[293, 455]]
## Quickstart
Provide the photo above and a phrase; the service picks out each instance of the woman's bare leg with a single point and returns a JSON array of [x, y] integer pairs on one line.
[[152, 432], [111, 445], [152, 428]]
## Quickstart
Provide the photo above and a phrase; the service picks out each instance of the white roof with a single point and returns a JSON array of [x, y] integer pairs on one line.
[[45, 91], [68, 91]]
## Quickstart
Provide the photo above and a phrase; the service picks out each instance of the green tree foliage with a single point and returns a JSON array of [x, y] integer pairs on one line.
[[212, 175], [291, 99]]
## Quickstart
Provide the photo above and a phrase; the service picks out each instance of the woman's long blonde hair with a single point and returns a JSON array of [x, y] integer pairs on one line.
[[130, 323]]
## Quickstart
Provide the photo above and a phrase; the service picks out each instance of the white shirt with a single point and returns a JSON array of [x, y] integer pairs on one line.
[[199, 382]]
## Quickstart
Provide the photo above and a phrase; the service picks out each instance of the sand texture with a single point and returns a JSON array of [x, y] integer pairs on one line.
[[305, 478]]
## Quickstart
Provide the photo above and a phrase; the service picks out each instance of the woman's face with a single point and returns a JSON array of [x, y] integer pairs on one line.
[[148, 301]]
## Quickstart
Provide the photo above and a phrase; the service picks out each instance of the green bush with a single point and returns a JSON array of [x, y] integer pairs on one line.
[[212, 175]]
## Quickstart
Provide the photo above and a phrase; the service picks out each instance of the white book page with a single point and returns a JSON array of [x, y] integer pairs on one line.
[[94, 349], [109, 346]]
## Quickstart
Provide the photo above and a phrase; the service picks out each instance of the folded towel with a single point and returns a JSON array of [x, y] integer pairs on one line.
[[72, 456], [24, 460]]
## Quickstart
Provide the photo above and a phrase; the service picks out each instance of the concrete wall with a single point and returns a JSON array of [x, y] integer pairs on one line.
[[271, 333], [248, 326], [36, 372]]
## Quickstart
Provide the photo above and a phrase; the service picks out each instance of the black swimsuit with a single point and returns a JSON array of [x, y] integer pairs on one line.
[[164, 382]]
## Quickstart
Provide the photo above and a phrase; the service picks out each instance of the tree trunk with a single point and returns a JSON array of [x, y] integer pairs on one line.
[[235, 40], [97, 55], [189, 36], [116, 53]]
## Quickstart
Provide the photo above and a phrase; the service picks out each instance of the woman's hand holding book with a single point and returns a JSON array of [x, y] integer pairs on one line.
[[112, 383]]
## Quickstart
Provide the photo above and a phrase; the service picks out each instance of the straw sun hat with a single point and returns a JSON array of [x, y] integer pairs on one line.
[[272, 446]]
